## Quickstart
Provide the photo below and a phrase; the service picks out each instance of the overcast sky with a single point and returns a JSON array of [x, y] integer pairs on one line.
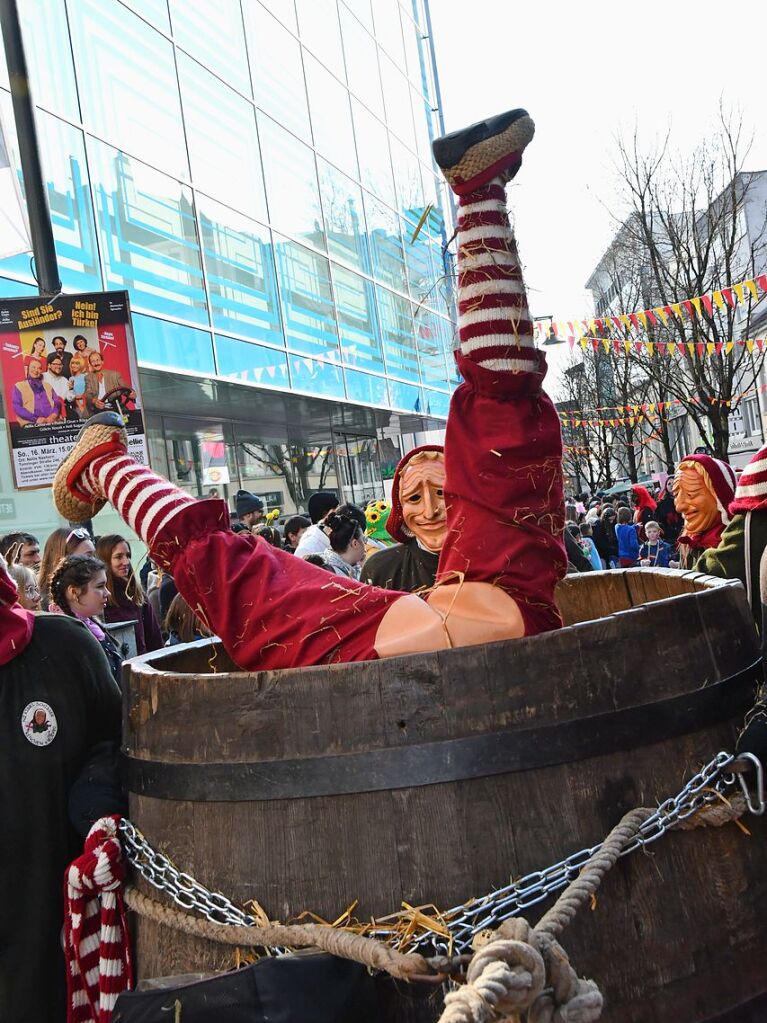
[[585, 72]]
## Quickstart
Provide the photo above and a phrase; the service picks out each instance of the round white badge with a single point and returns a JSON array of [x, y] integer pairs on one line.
[[38, 723]]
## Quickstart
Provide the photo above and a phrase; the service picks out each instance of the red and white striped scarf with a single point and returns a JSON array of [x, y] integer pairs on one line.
[[96, 943]]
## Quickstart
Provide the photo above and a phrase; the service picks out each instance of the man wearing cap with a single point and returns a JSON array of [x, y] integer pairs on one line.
[[315, 540], [417, 521], [249, 508]]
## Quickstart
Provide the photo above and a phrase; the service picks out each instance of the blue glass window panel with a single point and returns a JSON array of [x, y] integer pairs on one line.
[[399, 342], [251, 364], [407, 181], [320, 378], [172, 345], [373, 153], [412, 39], [283, 10], [16, 289], [213, 33], [222, 140], [64, 170], [331, 117], [432, 340], [49, 57], [424, 127], [344, 216], [307, 299], [292, 191], [420, 271], [407, 397], [148, 236], [399, 116], [361, 55], [437, 403], [242, 280], [155, 11], [128, 85], [357, 322], [388, 30], [388, 258], [367, 388], [320, 32], [361, 9], [277, 70]]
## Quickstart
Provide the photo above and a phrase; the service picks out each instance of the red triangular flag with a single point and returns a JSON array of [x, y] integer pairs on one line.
[[595, 343], [634, 321], [661, 346], [599, 325], [688, 307], [651, 316], [706, 299], [700, 348], [661, 405], [727, 292], [571, 341], [718, 347], [759, 343], [762, 282], [617, 321], [638, 346]]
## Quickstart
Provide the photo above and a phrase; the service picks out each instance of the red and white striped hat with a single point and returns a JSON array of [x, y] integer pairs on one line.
[[751, 492], [722, 476]]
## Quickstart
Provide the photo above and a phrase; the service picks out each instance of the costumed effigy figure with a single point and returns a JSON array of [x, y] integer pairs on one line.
[[703, 489], [502, 555], [376, 535], [417, 523], [742, 543]]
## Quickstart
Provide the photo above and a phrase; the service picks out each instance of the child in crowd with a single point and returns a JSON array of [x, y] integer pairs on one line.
[[628, 542], [589, 547], [654, 552]]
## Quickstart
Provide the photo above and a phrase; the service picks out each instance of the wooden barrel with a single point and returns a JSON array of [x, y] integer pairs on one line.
[[435, 778]]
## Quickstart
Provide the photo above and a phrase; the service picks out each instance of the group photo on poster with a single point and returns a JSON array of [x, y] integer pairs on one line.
[[61, 363]]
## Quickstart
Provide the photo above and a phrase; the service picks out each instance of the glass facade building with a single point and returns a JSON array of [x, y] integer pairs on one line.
[[258, 175]]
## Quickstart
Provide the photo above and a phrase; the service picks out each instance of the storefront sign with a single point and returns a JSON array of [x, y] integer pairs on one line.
[[61, 362]]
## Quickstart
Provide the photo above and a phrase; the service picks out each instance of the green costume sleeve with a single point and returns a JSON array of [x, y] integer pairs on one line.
[[727, 561]]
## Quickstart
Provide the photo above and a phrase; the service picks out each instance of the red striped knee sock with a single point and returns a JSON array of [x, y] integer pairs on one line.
[[146, 501], [494, 325]]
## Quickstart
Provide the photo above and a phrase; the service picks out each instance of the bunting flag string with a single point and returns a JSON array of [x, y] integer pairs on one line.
[[681, 348], [685, 310], [649, 412]]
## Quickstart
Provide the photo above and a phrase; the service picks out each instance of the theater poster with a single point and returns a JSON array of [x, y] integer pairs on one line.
[[61, 362]]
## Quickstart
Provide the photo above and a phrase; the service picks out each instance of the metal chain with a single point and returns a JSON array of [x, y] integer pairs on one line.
[[465, 921]]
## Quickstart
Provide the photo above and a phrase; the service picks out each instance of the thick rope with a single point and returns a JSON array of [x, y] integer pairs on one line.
[[337, 942]]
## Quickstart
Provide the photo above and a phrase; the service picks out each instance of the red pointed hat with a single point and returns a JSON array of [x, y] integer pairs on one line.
[[751, 492], [396, 523], [722, 476]]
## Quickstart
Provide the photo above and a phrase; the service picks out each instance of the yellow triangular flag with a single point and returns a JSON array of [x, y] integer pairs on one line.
[[719, 299], [662, 313], [626, 346], [690, 347], [642, 317], [728, 347], [624, 320], [677, 309], [710, 347], [751, 285], [606, 345], [696, 303], [738, 289], [749, 346], [652, 407], [650, 347], [584, 341], [671, 347]]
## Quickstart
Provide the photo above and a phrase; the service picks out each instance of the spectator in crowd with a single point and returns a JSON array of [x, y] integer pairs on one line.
[[58, 703], [603, 534], [644, 507], [181, 625], [628, 541], [126, 600], [576, 558], [315, 539], [34, 402], [293, 530], [318, 560], [654, 552], [27, 591], [269, 533], [249, 508], [79, 589], [347, 542], [666, 515], [27, 549], [59, 544], [587, 542]]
